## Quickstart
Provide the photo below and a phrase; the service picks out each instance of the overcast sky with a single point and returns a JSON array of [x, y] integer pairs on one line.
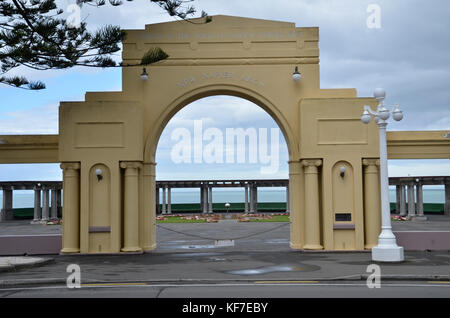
[[408, 56]]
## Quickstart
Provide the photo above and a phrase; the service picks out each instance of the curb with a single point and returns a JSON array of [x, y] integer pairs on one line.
[[363, 277], [15, 267]]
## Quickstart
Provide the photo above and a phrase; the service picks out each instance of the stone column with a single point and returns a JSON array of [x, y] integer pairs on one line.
[[210, 209], [447, 198], [71, 208], [205, 199], [201, 198], [45, 204], [54, 208], [7, 212], [255, 200], [252, 199], [297, 204], [372, 203], [164, 199], [312, 211], [158, 210], [37, 206], [246, 198], [419, 194], [287, 200], [58, 202], [131, 206], [411, 203], [169, 200], [402, 200], [397, 199]]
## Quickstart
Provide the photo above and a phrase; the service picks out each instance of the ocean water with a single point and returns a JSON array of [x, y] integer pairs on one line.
[[25, 199]]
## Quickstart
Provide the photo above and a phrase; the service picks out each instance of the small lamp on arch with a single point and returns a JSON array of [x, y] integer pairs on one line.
[[99, 174], [144, 74], [342, 171], [296, 76]]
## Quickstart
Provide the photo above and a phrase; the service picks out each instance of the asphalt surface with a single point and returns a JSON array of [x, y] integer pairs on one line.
[[187, 263], [255, 289]]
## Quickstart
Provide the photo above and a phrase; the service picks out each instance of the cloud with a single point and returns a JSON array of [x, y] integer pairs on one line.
[[36, 120], [408, 56]]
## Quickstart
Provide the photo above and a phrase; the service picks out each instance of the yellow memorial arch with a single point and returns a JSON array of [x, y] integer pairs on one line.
[[115, 134]]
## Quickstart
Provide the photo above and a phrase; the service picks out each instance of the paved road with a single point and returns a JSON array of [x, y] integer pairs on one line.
[[256, 289], [219, 265], [189, 266]]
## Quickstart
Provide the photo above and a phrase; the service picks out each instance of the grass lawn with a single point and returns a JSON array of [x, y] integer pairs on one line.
[[275, 218], [178, 219], [201, 219]]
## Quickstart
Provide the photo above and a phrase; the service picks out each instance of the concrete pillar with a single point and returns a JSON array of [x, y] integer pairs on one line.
[[312, 211], [246, 198], [45, 204], [297, 204], [201, 199], [158, 210], [7, 212], [169, 200], [37, 206], [164, 200], [372, 203], [402, 200], [71, 208], [131, 206], [287, 200], [447, 199], [58, 203], [205, 199], [54, 207], [411, 201], [397, 198], [253, 199], [210, 209], [419, 194]]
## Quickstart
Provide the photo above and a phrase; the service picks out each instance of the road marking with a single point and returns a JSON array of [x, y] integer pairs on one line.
[[431, 284], [112, 284], [287, 282]]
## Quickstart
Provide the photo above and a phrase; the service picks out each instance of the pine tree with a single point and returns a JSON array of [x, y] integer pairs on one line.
[[33, 34]]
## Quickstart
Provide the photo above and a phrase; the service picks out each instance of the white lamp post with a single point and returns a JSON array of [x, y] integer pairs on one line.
[[387, 249]]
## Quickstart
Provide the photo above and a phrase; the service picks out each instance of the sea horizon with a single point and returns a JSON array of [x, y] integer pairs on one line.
[[25, 199]]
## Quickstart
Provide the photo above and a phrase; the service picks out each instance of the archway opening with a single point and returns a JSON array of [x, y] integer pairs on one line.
[[222, 161]]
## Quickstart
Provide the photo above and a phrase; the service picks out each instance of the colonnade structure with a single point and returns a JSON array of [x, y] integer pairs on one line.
[[107, 144], [206, 188], [46, 206], [409, 192]]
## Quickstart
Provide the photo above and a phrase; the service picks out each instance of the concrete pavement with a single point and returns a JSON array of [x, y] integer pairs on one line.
[[187, 253], [219, 265], [14, 263]]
